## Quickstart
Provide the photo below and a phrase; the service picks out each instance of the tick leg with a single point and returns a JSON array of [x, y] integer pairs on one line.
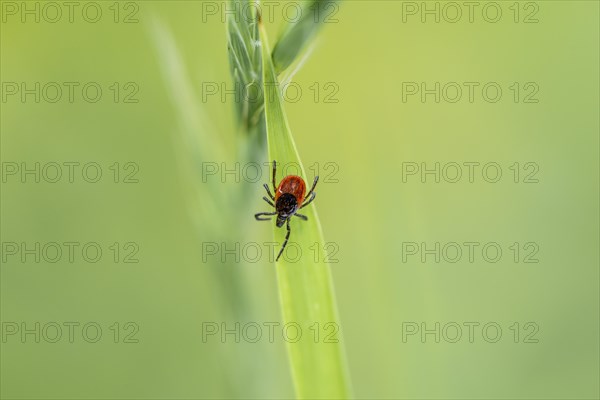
[[268, 191], [268, 201], [263, 214], [312, 197], [313, 186], [287, 236], [311, 194], [303, 217], [274, 173]]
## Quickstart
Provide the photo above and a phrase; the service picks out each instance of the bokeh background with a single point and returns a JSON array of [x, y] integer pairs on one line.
[[368, 50]]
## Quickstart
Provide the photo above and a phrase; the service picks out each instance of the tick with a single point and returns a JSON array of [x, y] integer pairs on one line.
[[289, 198]]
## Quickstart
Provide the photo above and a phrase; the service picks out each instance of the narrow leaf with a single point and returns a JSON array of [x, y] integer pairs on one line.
[[305, 288], [299, 33], [244, 61]]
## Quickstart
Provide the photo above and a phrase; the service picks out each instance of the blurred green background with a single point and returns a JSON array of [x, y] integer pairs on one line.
[[368, 50]]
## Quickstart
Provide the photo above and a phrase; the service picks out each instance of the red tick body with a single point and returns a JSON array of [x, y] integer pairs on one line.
[[288, 199], [294, 185]]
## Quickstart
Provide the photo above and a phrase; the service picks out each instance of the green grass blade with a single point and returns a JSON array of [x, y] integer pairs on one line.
[[305, 287], [298, 34], [244, 60]]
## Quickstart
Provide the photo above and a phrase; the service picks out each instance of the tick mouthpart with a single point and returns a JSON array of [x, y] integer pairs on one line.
[[280, 221]]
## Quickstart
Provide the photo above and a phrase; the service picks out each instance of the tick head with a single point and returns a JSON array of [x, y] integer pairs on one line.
[[280, 221], [286, 206]]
